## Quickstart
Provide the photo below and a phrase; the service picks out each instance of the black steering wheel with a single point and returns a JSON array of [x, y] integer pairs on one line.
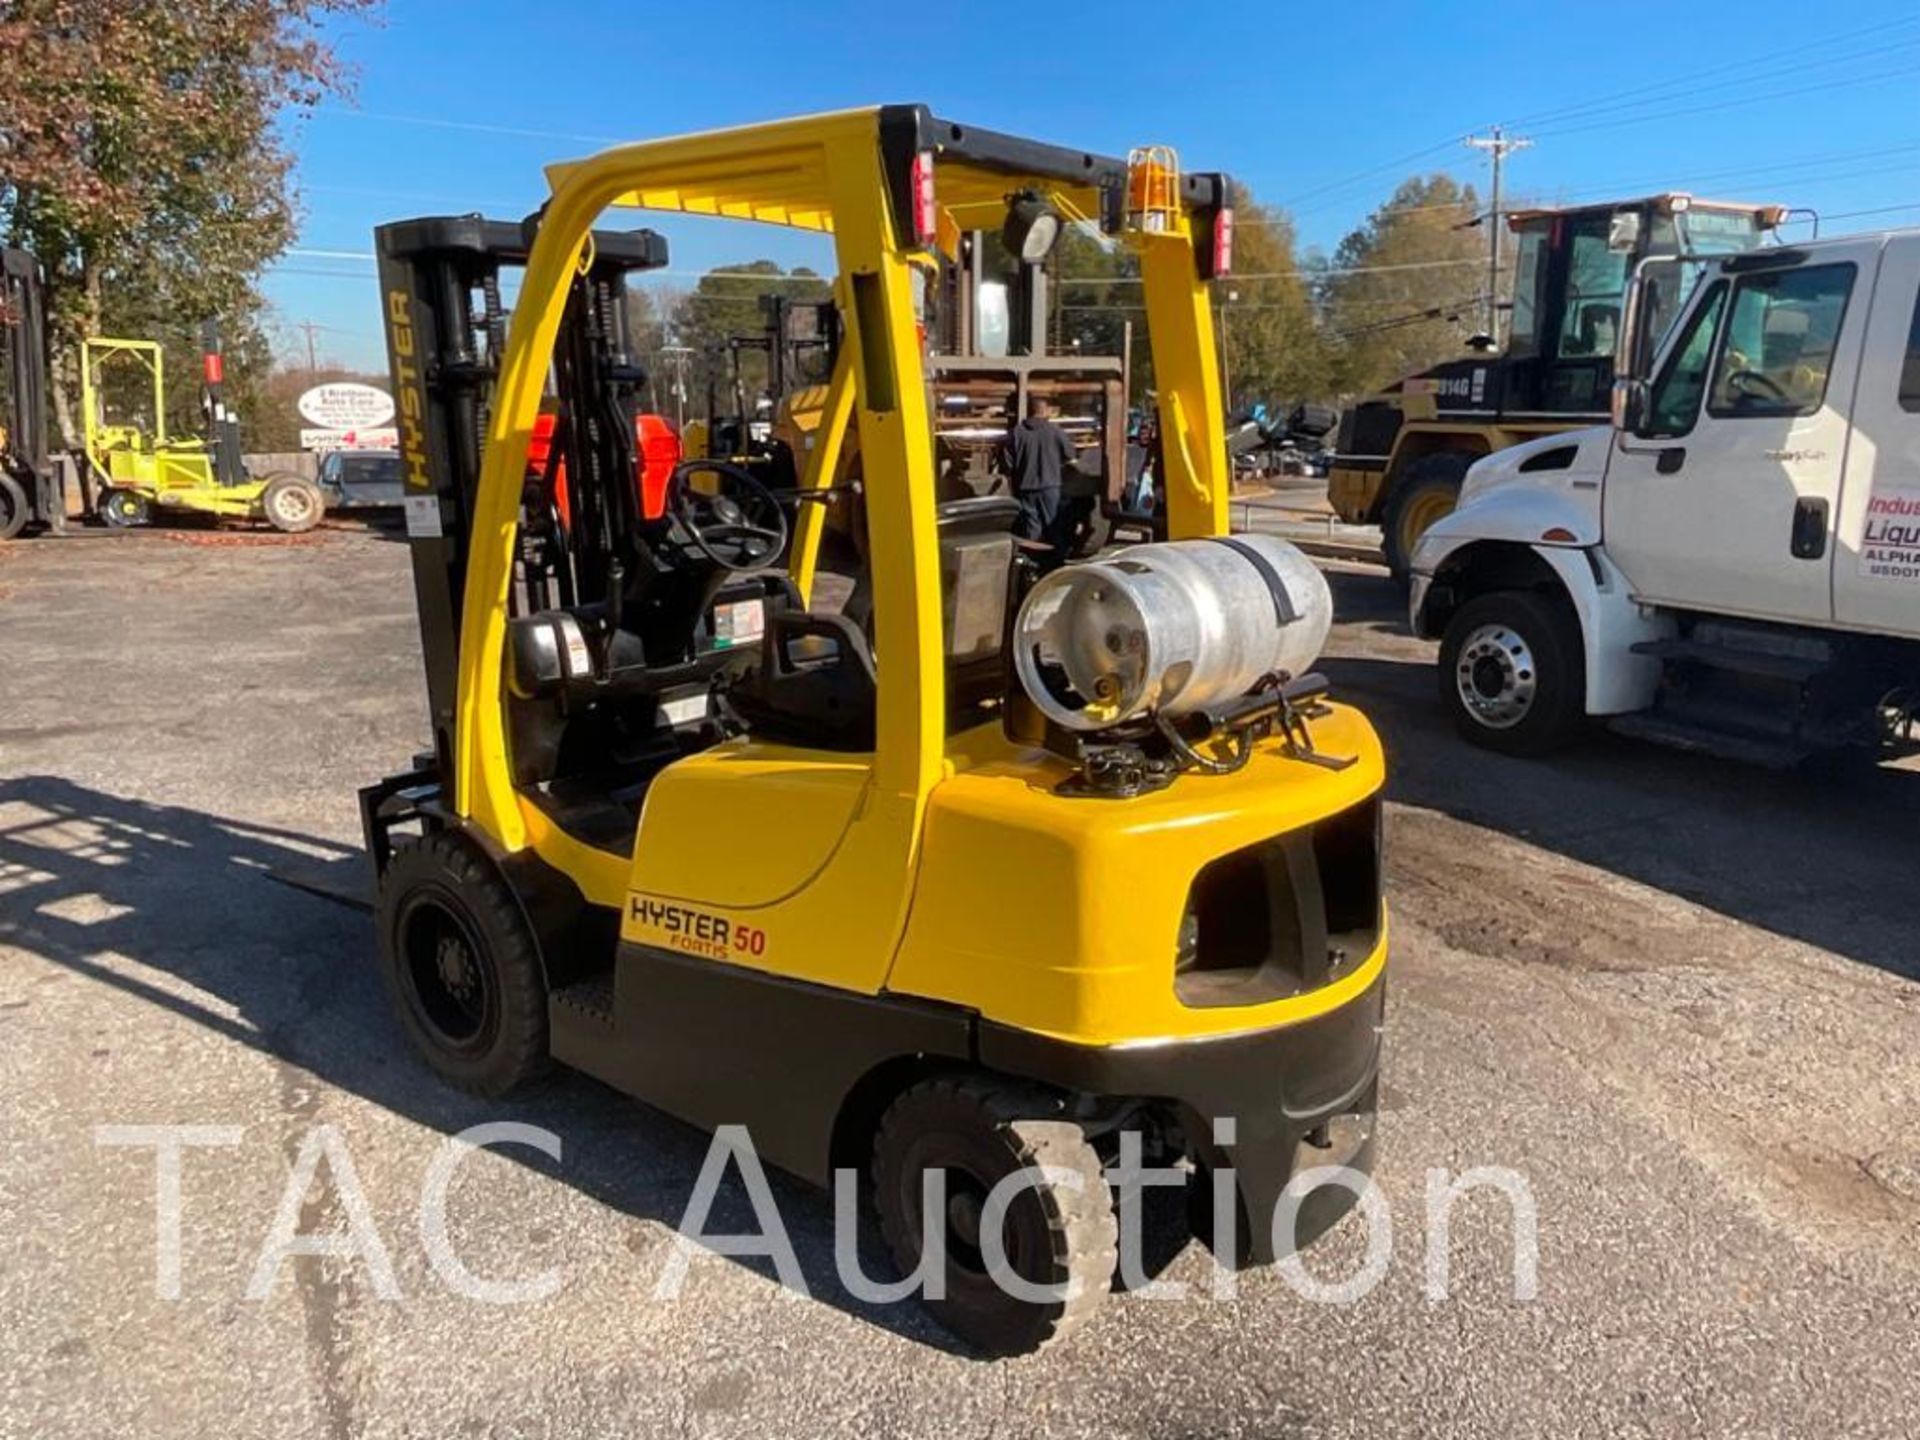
[[1758, 382], [735, 522]]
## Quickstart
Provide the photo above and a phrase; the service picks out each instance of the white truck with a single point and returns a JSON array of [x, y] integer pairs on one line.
[[1733, 565]]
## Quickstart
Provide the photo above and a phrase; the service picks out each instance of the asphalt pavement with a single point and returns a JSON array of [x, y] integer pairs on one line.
[[1674, 1003]]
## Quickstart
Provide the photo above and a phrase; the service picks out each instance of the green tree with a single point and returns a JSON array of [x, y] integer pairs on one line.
[[725, 303], [1404, 288], [1269, 335], [1096, 295], [146, 165], [1270, 339]]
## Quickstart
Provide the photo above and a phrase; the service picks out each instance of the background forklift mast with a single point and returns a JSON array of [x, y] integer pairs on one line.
[[32, 479], [1401, 456], [440, 279], [800, 341]]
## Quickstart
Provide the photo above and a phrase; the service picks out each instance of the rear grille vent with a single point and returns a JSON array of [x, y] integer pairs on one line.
[[1285, 916]]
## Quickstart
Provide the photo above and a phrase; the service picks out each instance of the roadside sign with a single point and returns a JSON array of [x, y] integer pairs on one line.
[[346, 405], [373, 437]]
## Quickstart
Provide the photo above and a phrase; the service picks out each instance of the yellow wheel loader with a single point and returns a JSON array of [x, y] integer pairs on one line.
[[955, 898]]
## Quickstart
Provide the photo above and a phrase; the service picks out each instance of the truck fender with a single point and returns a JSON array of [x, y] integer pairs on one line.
[[1611, 621]]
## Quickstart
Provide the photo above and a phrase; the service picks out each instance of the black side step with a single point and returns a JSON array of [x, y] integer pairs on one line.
[[1767, 752], [1767, 664], [582, 1031], [589, 1000]]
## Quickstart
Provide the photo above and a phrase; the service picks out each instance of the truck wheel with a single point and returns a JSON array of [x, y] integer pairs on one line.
[[461, 966], [1425, 493], [292, 503], [1058, 1231], [13, 507], [124, 509], [1513, 674]]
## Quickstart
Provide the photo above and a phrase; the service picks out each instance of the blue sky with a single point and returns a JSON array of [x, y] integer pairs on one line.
[[1319, 108]]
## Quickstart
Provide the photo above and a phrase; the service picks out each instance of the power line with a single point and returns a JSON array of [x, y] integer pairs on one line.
[[477, 127], [1772, 95], [1293, 202], [1691, 79]]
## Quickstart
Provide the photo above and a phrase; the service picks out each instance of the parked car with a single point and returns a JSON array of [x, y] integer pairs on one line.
[[362, 480]]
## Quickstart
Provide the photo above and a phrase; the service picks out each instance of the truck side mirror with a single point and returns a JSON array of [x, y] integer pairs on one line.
[[1629, 405]]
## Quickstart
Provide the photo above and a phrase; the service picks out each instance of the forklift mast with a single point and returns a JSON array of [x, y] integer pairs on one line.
[[791, 329], [24, 449], [440, 285], [223, 426]]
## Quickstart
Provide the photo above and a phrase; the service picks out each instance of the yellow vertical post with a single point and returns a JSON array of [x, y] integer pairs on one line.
[[882, 352], [823, 463], [1186, 365]]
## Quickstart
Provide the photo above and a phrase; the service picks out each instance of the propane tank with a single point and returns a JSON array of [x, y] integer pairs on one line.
[[1169, 628]]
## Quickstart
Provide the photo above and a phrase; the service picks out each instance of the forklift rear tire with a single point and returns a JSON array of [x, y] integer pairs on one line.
[[292, 503], [1427, 492], [461, 966], [1059, 1230], [13, 508], [124, 509]]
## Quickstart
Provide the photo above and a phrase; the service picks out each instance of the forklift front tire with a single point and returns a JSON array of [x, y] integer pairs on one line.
[[13, 507], [292, 504], [461, 966], [1059, 1230], [124, 509]]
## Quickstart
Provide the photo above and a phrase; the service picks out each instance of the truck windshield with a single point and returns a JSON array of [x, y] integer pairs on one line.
[[1702, 233], [1596, 289]]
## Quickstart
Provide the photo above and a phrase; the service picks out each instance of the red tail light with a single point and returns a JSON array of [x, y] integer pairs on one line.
[[1223, 242], [925, 226]]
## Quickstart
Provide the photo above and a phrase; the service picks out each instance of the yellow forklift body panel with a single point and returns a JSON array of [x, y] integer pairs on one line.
[[1080, 938]]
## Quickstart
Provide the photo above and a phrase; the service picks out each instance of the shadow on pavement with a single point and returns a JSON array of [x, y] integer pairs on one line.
[[1825, 860], [190, 897]]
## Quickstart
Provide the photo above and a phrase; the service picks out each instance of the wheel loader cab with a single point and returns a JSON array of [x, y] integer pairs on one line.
[[766, 845]]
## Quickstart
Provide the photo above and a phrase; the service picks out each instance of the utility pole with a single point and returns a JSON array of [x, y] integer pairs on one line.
[[1499, 145], [311, 329], [1226, 357], [678, 355]]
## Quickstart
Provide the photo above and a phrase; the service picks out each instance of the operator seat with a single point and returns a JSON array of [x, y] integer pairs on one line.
[[596, 707], [814, 682]]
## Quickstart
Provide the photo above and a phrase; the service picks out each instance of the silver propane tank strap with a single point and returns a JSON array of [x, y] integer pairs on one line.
[[1283, 607]]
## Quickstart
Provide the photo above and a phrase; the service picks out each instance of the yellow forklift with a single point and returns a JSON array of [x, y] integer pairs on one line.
[[1400, 456], [954, 898], [143, 472]]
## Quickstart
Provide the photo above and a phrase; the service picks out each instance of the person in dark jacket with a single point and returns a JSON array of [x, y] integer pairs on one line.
[[1038, 454]]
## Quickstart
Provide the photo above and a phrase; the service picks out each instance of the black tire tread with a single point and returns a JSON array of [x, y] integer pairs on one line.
[[1083, 1225], [523, 1054], [13, 507], [1554, 629]]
